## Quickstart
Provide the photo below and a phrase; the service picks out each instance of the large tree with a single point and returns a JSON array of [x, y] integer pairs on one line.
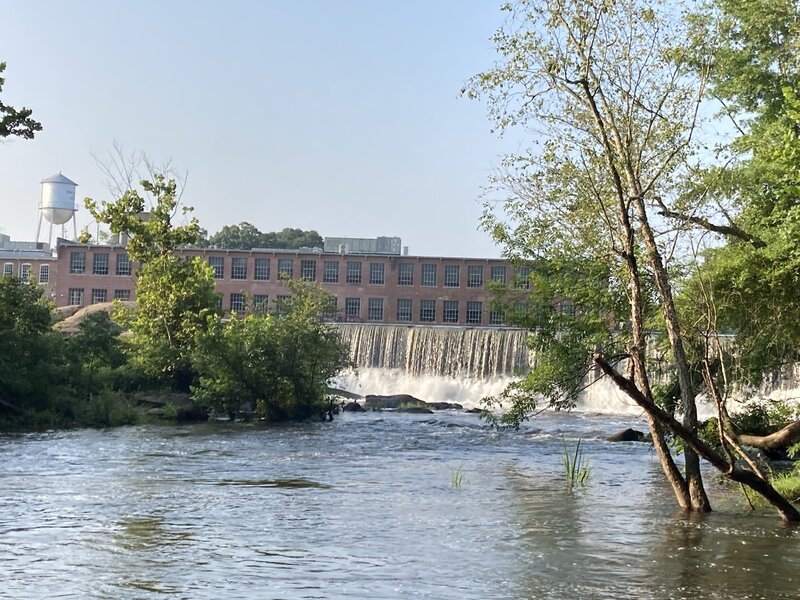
[[612, 99], [754, 280], [16, 121], [175, 294]]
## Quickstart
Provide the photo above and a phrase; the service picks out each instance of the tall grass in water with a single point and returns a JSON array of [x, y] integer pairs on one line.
[[458, 478], [576, 469]]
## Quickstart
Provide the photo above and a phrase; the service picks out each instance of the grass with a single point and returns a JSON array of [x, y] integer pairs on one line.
[[576, 469], [458, 478]]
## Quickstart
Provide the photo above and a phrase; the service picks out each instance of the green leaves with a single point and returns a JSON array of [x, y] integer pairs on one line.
[[16, 122], [278, 365], [152, 233]]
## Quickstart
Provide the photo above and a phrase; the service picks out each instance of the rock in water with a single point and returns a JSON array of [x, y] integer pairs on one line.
[[626, 435]]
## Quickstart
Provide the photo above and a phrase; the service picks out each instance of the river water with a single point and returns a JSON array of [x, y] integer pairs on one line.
[[370, 506]]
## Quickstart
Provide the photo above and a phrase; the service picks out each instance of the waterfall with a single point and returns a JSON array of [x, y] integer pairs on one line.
[[442, 364], [443, 351], [464, 365]]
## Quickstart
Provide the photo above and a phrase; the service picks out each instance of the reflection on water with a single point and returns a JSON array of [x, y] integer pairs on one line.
[[365, 507]]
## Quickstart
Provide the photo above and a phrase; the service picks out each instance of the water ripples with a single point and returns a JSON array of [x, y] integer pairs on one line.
[[366, 507]]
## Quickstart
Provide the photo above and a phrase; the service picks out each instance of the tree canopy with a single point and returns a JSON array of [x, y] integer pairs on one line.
[[175, 295], [16, 121], [246, 236]]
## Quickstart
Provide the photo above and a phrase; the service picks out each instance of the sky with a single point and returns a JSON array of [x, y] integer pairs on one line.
[[342, 116]]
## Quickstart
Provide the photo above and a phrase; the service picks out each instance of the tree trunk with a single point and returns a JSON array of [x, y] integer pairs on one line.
[[773, 441], [694, 476], [785, 508]]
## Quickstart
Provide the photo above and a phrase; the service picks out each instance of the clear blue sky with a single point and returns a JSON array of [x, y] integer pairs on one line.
[[341, 116]]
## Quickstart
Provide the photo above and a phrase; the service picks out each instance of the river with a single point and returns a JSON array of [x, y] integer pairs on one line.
[[370, 506]]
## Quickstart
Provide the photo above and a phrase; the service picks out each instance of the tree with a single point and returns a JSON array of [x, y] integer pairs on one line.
[[753, 280], [614, 99], [279, 365], [16, 122], [246, 236], [175, 295], [29, 349], [749, 286]]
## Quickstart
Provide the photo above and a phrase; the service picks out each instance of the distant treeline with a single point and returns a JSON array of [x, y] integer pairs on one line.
[[245, 236]]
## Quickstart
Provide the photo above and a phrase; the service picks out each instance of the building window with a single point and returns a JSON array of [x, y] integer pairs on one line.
[[450, 311], [219, 302], [8, 269], [427, 311], [75, 296], [376, 273], [285, 268], [375, 309], [405, 274], [282, 304], [352, 308], [404, 309], [44, 273], [123, 295], [330, 310], [521, 308], [100, 263], [239, 267], [451, 275], [565, 308], [429, 275], [499, 273], [474, 313], [475, 276], [237, 302], [25, 272], [123, 264], [261, 271], [354, 272], [308, 270], [99, 296], [331, 274], [522, 277], [496, 317], [218, 264], [260, 304], [77, 263]]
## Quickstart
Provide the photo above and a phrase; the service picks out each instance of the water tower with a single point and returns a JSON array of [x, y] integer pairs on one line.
[[57, 205]]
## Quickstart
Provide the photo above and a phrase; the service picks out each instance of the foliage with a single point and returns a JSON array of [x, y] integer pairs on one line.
[[94, 355], [16, 122], [246, 236], [614, 123], [750, 286], [175, 295], [280, 365], [576, 469], [152, 232], [29, 349]]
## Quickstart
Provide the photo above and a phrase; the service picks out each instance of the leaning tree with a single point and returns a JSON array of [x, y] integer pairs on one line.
[[601, 200]]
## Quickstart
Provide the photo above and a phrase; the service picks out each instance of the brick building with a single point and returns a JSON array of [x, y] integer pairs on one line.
[[369, 287], [30, 261]]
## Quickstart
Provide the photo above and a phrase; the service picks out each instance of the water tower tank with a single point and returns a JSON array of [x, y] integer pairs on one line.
[[58, 199]]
